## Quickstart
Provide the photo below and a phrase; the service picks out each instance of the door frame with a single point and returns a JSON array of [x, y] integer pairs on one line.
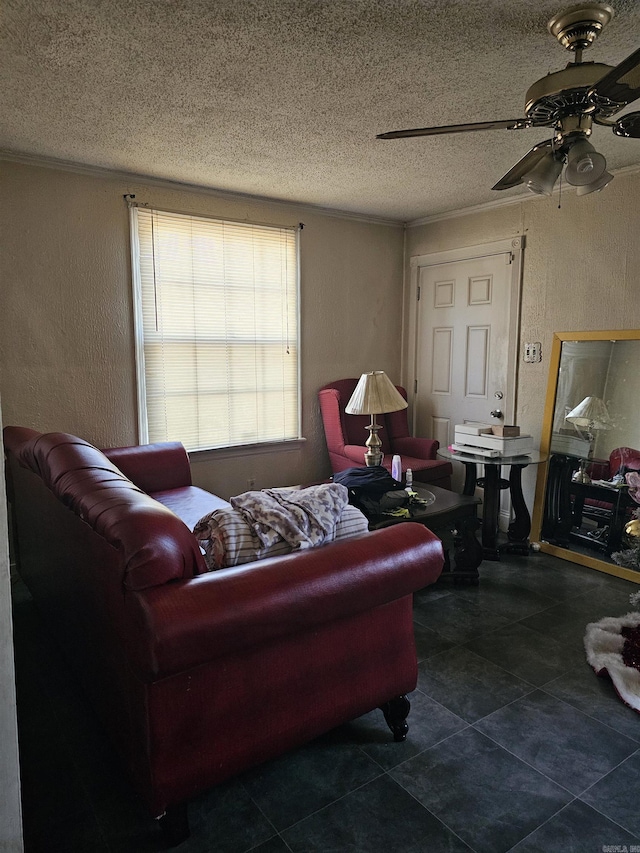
[[514, 247]]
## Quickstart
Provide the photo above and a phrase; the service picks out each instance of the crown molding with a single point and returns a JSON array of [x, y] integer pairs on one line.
[[505, 202], [468, 211], [165, 183]]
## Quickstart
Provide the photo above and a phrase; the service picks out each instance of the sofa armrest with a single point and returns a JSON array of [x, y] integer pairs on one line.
[[153, 467], [420, 448], [184, 624]]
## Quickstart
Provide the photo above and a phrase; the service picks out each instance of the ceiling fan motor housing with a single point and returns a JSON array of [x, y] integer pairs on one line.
[[565, 92]]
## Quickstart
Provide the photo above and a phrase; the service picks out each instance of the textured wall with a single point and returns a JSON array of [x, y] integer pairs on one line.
[[66, 328], [622, 396], [581, 271]]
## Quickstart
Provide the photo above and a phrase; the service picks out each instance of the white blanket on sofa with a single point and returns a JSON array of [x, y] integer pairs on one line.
[[302, 517]]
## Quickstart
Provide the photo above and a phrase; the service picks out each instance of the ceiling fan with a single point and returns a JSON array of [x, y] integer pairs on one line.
[[570, 101]]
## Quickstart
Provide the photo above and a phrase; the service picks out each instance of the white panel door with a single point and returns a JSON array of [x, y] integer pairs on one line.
[[463, 359], [463, 344]]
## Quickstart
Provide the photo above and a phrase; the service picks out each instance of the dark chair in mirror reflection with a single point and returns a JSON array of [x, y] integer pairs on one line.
[[590, 512]]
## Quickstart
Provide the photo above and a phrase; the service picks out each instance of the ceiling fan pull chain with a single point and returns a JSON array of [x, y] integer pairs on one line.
[[560, 192]]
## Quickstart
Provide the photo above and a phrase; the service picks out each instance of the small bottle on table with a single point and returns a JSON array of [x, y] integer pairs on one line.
[[409, 480]]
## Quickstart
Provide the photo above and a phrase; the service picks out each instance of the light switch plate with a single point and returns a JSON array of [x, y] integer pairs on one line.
[[533, 352]]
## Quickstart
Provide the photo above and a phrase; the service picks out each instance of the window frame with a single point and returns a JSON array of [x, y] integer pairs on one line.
[[263, 446]]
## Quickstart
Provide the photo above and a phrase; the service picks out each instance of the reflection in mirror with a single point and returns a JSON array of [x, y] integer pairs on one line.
[[587, 496]]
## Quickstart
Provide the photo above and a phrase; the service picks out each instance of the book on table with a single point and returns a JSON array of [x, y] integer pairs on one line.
[[473, 428]]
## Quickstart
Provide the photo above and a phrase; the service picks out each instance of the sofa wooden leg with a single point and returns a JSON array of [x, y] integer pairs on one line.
[[395, 712], [174, 824]]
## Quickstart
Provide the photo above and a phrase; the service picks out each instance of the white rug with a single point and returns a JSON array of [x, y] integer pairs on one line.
[[612, 653]]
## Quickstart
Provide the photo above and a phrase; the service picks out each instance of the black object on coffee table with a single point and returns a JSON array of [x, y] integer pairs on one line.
[[453, 518]]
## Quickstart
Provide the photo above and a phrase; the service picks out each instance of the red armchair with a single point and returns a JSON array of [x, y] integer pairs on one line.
[[346, 435], [621, 460], [624, 457]]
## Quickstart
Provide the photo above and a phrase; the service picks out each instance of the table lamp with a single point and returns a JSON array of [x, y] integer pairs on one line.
[[374, 395], [589, 415]]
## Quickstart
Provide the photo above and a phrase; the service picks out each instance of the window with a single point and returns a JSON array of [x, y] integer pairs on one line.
[[216, 330]]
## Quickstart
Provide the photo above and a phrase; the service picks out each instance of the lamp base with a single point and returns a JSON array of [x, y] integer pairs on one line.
[[372, 460], [374, 455]]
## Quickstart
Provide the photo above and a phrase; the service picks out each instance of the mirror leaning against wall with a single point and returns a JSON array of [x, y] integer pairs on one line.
[[587, 506]]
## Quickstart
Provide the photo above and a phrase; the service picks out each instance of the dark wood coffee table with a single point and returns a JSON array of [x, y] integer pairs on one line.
[[453, 518]]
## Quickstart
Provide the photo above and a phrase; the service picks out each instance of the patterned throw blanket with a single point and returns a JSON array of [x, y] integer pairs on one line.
[[613, 649], [302, 517]]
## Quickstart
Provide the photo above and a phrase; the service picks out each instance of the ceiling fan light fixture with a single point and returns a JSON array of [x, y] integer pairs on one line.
[[541, 179], [604, 179], [571, 101], [584, 164]]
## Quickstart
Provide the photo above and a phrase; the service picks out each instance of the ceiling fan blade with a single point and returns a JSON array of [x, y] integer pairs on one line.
[[507, 124], [516, 173], [628, 125], [622, 84]]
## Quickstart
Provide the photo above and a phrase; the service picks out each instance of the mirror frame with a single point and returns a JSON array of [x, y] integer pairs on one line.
[[545, 443]]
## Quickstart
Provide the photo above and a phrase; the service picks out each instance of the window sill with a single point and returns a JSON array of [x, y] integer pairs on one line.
[[248, 449]]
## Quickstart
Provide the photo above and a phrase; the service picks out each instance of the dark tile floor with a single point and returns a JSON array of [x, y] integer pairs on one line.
[[514, 743]]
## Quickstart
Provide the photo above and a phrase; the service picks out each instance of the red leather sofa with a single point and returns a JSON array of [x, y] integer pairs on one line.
[[199, 675], [346, 436]]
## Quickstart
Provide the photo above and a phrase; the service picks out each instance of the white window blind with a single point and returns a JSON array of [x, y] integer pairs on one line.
[[217, 330]]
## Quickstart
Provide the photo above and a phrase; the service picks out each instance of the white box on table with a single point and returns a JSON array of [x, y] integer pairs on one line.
[[506, 446]]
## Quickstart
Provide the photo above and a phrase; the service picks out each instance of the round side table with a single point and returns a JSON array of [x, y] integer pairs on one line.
[[493, 483]]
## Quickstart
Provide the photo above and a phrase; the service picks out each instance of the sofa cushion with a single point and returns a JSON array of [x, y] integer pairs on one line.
[[228, 539], [190, 503]]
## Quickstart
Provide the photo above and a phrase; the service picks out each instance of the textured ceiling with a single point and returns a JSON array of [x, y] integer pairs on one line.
[[283, 98]]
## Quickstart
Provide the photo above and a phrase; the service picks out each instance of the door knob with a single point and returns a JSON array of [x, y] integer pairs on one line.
[[496, 413]]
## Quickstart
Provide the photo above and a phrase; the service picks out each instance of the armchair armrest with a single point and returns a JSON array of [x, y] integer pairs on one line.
[[184, 624], [355, 452], [421, 448]]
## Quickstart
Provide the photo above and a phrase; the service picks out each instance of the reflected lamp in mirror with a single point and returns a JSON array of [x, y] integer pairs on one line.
[[374, 395], [587, 417]]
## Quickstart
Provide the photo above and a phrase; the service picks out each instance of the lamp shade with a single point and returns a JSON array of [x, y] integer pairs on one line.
[[374, 394], [590, 413]]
